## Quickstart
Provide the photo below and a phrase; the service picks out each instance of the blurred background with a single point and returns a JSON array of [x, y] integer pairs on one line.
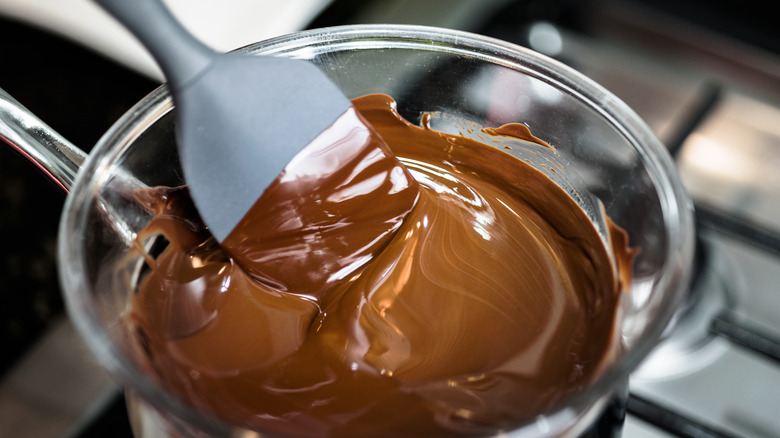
[[705, 75]]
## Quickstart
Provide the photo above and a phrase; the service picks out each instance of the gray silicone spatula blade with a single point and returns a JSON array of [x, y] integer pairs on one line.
[[228, 158]]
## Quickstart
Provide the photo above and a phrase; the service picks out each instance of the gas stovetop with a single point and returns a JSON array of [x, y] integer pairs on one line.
[[715, 102], [712, 98]]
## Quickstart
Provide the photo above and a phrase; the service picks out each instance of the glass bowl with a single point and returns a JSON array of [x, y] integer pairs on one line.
[[611, 160]]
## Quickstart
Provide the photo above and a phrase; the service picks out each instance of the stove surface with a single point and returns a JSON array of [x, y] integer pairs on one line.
[[714, 102]]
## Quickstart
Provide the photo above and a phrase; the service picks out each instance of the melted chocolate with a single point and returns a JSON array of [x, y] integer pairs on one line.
[[519, 131], [490, 303], [323, 211]]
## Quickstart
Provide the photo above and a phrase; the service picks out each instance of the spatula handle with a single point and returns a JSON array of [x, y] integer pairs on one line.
[[180, 55]]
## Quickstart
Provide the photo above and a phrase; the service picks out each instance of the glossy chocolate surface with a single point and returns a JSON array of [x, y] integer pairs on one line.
[[490, 303]]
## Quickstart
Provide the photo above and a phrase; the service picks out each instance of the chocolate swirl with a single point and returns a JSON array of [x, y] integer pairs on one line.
[[492, 302]]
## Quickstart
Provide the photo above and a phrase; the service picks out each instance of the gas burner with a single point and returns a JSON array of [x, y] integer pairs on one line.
[[689, 344]]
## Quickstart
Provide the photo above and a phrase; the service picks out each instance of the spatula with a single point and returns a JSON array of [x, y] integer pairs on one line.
[[241, 119]]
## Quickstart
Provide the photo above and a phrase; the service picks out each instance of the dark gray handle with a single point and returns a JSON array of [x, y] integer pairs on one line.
[[181, 56]]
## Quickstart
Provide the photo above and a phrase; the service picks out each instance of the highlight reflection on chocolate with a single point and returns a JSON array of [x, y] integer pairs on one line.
[[336, 204], [492, 302]]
